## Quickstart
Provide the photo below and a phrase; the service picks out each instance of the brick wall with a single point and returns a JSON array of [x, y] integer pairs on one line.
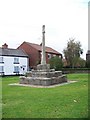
[[34, 55], [31, 52]]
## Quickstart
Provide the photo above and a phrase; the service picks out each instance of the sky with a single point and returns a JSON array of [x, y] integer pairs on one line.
[[22, 20]]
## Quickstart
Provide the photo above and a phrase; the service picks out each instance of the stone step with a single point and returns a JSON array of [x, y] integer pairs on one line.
[[43, 81], [44, 74]]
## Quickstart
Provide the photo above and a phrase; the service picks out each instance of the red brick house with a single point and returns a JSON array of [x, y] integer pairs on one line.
[[34, 53]]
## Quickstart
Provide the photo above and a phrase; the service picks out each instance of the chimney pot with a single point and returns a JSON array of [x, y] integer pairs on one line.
[[5, 46]]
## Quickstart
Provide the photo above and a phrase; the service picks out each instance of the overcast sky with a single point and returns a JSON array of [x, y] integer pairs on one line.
[[22, 20]]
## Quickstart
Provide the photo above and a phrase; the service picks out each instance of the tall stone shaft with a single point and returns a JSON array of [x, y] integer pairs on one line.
[[43, 59]]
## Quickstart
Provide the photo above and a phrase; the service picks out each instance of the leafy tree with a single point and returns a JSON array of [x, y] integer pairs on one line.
[[72, 52], [81, 63], [56, 63]]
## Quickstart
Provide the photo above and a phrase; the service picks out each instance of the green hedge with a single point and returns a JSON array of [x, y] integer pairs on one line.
[[75, 70]]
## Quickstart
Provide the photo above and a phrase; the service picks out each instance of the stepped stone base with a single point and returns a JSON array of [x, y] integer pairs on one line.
[[43, 76], [43, 81]]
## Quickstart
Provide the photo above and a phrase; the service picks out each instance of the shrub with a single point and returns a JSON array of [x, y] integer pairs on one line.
[[56, 63]]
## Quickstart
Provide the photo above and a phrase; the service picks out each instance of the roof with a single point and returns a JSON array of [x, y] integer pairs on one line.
[[39, 48], [12, 52]]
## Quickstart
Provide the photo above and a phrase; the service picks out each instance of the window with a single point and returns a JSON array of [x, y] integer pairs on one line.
[[49, 56], [1, 59], [59, 56], [54, 55], [1, 69], [16, 69], [16, 60]]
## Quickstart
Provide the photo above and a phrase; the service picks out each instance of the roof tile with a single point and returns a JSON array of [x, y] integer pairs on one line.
[[39, 48], [12, 52]]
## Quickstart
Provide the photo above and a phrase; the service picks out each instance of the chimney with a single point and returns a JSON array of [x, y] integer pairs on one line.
[[41, 44], [5, 46]]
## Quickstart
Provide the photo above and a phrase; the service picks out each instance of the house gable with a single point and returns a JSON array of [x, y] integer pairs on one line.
[[32, 53]]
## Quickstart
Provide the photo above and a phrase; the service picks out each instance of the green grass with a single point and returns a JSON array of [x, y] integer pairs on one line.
[[0, 98], [67, 101]]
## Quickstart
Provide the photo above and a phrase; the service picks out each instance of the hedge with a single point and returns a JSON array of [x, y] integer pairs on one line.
[[75, 70]]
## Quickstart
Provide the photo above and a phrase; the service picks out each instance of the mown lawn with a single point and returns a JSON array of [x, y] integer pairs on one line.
[[67, 101]]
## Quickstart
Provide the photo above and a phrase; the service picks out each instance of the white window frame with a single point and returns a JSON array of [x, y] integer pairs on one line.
[[16, 60], [54, 55], [1, 59], [59, 56], [16, 69], [49, 56], [1, 69]]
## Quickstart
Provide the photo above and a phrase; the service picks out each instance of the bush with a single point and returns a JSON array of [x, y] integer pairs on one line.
[[76, 70], [56, 63]]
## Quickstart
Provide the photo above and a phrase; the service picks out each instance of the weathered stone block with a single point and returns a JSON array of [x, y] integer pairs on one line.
[[43, 76], [43, 67]]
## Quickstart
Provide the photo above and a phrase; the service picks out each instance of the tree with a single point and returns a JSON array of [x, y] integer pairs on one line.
[[72, 52], [56, 63], [81, 63]]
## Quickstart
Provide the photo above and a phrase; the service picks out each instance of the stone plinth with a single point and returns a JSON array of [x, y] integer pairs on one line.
[[43, 81], [43, 76], [43, 67]]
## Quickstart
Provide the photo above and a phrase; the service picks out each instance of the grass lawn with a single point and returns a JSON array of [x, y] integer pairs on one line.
[[67, 101]]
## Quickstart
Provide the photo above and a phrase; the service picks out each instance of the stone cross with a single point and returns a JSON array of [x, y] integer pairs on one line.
[[43, 59]]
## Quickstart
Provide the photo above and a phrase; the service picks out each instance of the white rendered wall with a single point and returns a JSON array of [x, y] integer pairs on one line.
[[23, 64], [9, 65]]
